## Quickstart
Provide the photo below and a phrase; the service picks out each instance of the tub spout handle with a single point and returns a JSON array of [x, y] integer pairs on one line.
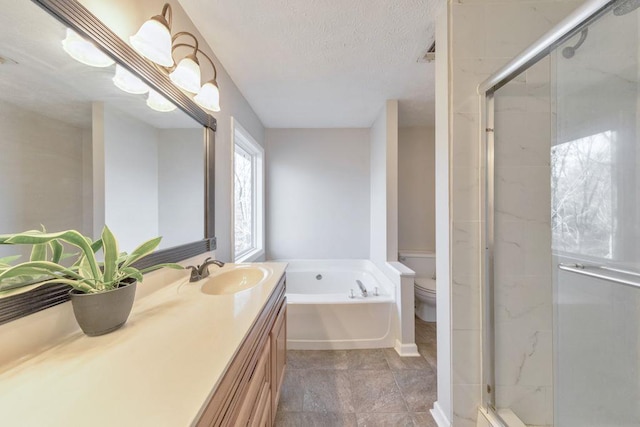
[[363, 290]]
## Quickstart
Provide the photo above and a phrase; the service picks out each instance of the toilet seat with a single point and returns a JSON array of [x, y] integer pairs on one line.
[[425, 284]]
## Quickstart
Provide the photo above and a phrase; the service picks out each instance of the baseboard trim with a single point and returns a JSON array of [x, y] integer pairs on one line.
[[406, 350], [438, 414]]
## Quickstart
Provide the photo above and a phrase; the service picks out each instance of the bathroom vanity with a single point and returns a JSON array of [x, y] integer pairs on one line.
[[185, 357], [249, 391]]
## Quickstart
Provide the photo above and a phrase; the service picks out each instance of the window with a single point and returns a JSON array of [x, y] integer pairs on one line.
[[584, 196], [248, 196]]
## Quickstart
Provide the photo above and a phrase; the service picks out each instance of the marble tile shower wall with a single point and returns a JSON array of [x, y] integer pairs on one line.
[[484, 35], [523, 282]]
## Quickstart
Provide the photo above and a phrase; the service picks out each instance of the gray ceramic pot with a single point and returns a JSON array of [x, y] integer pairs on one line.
[[99, 314]]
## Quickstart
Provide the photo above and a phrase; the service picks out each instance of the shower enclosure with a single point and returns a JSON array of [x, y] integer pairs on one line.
[[561, 321]]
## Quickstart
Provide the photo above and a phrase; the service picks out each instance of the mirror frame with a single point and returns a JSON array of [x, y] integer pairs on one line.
[[77, 17]]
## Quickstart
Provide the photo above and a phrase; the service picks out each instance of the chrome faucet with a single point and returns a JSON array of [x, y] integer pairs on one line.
[[202, 271], [362, 288]]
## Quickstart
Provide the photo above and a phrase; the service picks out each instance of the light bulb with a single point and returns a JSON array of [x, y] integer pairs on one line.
[[187, 74], [84, 51], [153, 41], [129, 83], [157, 102], [208, 96]]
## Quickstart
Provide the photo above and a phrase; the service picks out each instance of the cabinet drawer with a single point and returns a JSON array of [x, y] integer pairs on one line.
[[262, 415], [259, 378]]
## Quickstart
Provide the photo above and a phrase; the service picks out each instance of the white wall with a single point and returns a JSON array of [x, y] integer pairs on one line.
[[384, 185], [124, 17], [416, 189], [131, 178], [41, 173], [443, 408], [180, 186], [87, 182], [317, 193]]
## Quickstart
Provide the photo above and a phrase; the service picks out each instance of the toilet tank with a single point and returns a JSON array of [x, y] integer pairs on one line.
[[423, 263]]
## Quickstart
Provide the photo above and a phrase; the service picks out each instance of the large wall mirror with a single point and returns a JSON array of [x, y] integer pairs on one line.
[[78, 152]]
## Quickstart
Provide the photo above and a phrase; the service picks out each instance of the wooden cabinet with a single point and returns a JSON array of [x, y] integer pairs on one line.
[[248, 393], [278, 356]]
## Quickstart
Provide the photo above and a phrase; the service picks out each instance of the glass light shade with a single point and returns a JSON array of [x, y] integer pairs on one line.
[[84, 51], [129, 83], [208, 96], [157, 102], [153, 41], [187, 74]]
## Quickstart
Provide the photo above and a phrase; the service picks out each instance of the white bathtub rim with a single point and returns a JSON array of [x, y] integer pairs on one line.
[[340, 265], [337, 299]]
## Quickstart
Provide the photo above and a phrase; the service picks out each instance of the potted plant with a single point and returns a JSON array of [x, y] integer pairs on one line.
[[102, 293]]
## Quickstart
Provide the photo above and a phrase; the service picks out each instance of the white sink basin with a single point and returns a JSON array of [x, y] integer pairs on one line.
[[229, 282]]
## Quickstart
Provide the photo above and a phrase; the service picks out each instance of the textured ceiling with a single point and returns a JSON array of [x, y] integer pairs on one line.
[[324, 63]]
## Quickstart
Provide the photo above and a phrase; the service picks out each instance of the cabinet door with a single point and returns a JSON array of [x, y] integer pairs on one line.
[[278, 356]]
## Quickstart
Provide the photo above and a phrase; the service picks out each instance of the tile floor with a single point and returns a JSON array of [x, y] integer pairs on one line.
[[360, 387]]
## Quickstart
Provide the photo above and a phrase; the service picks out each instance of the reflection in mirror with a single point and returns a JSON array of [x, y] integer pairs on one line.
[[78, 152]]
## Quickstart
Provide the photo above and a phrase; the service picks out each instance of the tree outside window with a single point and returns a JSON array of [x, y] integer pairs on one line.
[[584, 196]]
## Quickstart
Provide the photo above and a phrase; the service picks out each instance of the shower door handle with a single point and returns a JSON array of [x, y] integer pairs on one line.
[[604, 273]]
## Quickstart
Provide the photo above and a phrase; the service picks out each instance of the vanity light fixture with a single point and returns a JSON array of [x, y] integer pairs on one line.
[[84, 51], [153, 39], [129, 83], [186, 75], [157, 102], [208, 95], [155, 42]]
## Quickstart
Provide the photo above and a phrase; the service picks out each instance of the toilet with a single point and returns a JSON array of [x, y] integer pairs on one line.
[[424, 265]]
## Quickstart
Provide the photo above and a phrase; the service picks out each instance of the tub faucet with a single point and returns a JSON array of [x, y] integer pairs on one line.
[[202, 271], [362, 288]]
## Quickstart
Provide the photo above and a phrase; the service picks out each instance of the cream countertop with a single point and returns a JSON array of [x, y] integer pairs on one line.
[[158, 370]]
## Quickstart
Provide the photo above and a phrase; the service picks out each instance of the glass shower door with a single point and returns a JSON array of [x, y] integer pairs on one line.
[[522, 284], [595, 219], [565, 295]]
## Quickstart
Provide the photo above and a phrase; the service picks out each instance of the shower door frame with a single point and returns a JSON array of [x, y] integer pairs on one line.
[[582, 16]]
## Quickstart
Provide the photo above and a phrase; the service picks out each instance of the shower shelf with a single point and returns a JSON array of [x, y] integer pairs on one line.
[[613, 275]]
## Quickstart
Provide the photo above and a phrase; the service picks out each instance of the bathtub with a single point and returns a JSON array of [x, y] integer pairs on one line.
[[322, 315]]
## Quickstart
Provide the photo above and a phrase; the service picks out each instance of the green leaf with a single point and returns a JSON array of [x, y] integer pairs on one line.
[[83, 269], [68, 255], [19, 282], [35, 268], [111, 253], [56, 251], [70, 236], [159, 266], [39, 252], [131, 272], [141, 251], [122, 258], [96, 246], [9, 259]]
